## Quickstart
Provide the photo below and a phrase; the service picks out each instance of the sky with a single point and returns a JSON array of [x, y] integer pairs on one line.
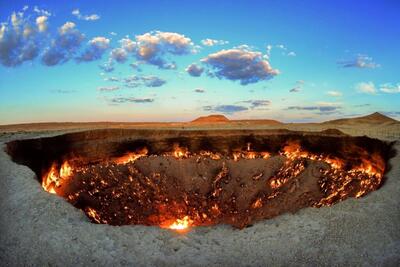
[[293, 61]]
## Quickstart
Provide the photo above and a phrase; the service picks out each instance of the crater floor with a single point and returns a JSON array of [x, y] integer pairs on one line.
[[37, 228]]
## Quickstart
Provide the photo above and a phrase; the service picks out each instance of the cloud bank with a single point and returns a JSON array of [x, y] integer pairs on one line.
[[361, 61], [95, 50], [322, 108], [121, 100], [257, 103], [227, 109], [64, 46], [20, 39]]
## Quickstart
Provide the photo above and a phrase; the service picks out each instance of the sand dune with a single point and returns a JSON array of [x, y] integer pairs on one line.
[[374, 118], [211, 119], [217, 118]]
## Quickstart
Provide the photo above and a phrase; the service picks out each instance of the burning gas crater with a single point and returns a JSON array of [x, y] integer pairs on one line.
[[180, 189]]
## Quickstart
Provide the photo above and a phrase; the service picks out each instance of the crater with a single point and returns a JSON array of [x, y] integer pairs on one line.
[[178, 179]]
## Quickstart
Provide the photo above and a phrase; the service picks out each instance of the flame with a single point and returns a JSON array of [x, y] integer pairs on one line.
[[249, 154], [131, 156], [65, 170], [181, 224], [54, 177], [257, 204], [92, 213], [338, 179], [265, 155], [180, 152], [209, 154], [236, 156], [293, 151]]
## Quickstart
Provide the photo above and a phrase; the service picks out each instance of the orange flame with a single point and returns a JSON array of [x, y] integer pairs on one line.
[[54, 178], [131, 156], [336, 182], [180, 152], [181, 224]]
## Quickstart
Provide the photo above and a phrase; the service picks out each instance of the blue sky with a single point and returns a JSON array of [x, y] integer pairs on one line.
[[295, 61]]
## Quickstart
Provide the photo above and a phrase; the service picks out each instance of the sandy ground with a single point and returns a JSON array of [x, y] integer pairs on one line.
[[40, 229]]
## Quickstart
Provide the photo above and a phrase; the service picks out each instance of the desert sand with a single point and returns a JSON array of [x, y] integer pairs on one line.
[[374, 125], [38, 228]]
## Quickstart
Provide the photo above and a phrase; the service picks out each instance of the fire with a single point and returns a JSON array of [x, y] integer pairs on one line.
[[257, 204], [131, 156], [209, 154], [65, 170], [124, 194], [180, 152], [55, 178], [93, 214], [249, 154], [265, 155], [293, 151], [181, 224]]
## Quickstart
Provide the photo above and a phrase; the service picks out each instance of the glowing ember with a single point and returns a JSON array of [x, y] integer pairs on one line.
[[181, 224], [131, 156], [180, 189], [180, 152]]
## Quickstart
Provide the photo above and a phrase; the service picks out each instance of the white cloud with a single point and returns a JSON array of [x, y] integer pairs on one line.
[[212, 42], [361, 61], [64, 46], [67, 27], [41, 23], [95, 50], [334, 93], [257, 103], [92, 17], [389, 88], [18, 41], [194, 70], [153, 81], [122, 100], [366, 87], [148, 81], [100, 42], [108, 88], [127, 44], [240, 64], [41, 11], [107, 66], [119, 54], [269, 49], [152, 46], [226, 109], [112, 79], [281, 46], [321, 108]]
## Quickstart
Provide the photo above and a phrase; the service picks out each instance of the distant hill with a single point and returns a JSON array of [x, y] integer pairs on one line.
[[211, 119], [222, 119], [374, 118]]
